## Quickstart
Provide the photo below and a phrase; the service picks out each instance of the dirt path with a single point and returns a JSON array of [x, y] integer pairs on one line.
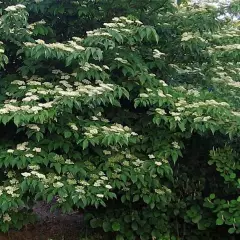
[[54, 226]]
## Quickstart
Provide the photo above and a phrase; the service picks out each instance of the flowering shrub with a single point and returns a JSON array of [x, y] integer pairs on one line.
[[113, 116]]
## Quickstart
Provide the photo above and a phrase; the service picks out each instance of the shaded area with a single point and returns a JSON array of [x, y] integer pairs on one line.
[[52, 225]]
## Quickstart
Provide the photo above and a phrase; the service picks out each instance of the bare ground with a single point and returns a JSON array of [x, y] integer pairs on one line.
[[52, 225]]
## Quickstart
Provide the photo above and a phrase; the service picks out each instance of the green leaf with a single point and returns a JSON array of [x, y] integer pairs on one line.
[[116, 226], [107, 227], [212, 196], [231, 230], [17, 120], [233, 175], [119, 237], [50, 197], [67, 134], [85, 144], [197, 219], [146, 199], [135, 198], [219, 221], [134, 226], [4, 206], [95, 223], [58, 167]]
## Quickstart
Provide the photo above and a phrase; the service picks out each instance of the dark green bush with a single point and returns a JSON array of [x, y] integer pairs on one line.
[[125, 110]]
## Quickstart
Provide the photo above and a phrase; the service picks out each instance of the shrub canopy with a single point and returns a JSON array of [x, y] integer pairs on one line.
[[125, 110]]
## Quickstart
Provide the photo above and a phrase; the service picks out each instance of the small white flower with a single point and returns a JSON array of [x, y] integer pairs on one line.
[[58, 184], [177, 118], [20, 6], [176, 145], [74, 127], [205, 119], [26, 174], [100, 195], [158, 163], [108, 186], [104, 178], [93, 131], [94, 118], [68, 161], [10, 8], [22, 146], [151, 156], [39, 41], [18, 82], [10, 150], [33, 127], [106, 152], [29, 155], [144, 95], [6, 218], [37, 149], [41, 176], [34, 167]]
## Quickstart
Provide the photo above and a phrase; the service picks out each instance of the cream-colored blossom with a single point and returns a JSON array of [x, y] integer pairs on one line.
[[37, 149], [26, 174], [151, 156], [58, 184], [6, 218], [100, 195]]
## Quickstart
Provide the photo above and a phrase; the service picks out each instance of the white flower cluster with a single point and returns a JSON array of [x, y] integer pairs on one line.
[[193, 92], [138, 163], [33, 25], [176, 145], [202, 119], [224, 78], [158, 163], [160, 111], [229, 47], [73, 126], [158, 54], [80, 189], [207, 103], [24, 147], [121, 60], [190, 35], [6, 218], [33, 127], [33, 173], [69, 162], [126, 20], [40, 89], [11, 189], [163, 83], [116, 128], [151, 156], [90, 66], [58, 184], [76, 46], [15, 8], [70, 47]]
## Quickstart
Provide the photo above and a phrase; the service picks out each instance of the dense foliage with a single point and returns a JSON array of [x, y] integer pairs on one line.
[[125, 110]]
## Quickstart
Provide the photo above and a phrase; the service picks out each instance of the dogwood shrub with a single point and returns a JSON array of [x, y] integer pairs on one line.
[[125, 111]]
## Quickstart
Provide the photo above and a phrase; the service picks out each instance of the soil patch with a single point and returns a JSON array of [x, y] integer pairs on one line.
[[52, 225]]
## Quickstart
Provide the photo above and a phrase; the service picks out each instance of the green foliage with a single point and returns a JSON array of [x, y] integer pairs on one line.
[[125, 110]]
